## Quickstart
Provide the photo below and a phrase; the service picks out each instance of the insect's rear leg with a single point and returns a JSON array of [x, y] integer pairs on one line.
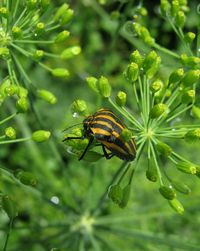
[[107, 155]]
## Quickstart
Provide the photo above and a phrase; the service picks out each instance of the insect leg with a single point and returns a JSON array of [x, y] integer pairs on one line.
[[88, 145], [107, 155], [82, 137]]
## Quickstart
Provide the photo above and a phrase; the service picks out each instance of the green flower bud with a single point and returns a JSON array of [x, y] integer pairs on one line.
[[44, 3], [9, 206], [136, 28], [167, 192], [66, 17], [4, 12], [4, 53], [180, 19], [158, 110], [180, 187], [136, 57], [132, 72], [115, 15], [5, 84], [176, 76], [126, 134], [151, 172], [176, 205], [164, 7], [175, 8], [10, 132], [196, 112], [163, 149], [121, 98], [156, 86], [182, 2], [22, 105], [151, 64], [40, 135], [22, 92], [92, 83], [60, 72], [191, 77], [40, 27], [125, 196], [62, 36], [27, 178], [92, 156], [192, 135], [47, 96], [70, 52], [186, 167], [31, 4], [143, 11], [16, 32], [189, 37], [79, 106], [11, 90], [143, 33], [190, 61], [61, 11], [115, 194], [104, 87], [38, 54], [188, 96]]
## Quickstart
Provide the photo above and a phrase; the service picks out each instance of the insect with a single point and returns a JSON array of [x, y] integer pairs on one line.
[[104, 127]]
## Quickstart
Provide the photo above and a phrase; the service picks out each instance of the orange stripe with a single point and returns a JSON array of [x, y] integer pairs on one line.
[[111, 119]]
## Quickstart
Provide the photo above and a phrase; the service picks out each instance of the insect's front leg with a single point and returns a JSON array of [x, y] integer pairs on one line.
[[68, 138], [88, 145]]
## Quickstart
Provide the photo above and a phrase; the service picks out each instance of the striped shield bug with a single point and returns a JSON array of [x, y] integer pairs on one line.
[[105, 128]]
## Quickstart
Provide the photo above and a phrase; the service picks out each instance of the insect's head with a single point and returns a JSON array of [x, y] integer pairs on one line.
[[87, 122]]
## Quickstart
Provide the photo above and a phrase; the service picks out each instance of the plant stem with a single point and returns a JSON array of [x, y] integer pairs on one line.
[[8, 118], [8, 234], [14, 140], [101, 201], [34, 41], [132, 120], [165, 50], [156, 163]]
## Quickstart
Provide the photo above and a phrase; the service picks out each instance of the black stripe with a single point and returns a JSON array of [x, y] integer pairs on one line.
[[109, 113], [111, 123], [103, 127], [112, 139]]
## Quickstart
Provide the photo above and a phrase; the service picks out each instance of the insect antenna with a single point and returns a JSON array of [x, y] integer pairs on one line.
[[69, 127]]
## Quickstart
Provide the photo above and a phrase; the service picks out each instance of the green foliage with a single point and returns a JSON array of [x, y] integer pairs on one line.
[[142, 62]]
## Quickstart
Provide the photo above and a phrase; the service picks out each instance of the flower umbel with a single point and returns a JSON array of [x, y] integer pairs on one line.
[[160, 104]]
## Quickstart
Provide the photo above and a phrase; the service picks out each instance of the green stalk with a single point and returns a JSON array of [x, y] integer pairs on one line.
[[24, 52], [102, 199], [8, 118], [8, 234], [20, 17], [179, 113], [156, 163], [14, 140], [34, 41], [132, 120], [165, 50], [15, 9]]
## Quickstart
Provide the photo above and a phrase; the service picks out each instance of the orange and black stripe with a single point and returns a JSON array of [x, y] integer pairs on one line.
[[106, 128]]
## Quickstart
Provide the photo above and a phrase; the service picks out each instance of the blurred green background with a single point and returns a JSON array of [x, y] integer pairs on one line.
[[56, 214]]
